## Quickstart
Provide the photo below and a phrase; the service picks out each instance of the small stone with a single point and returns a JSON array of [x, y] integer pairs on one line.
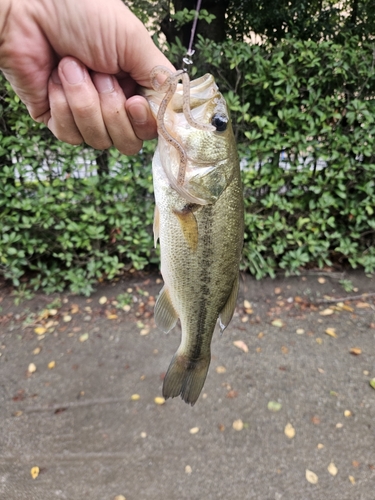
[[67, 318], [320, 446], [119, 497], [102, 300], [143, 435], [300, 331], [347, 413], [84, 337], [194, 430], [188, 469]]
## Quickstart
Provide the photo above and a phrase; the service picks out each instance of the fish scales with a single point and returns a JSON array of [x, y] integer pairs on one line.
[[200, 227]]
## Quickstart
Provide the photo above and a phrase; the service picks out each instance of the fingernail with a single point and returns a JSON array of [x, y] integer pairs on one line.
[[73, 72], [103, 83], [138, 114], [55, 77]]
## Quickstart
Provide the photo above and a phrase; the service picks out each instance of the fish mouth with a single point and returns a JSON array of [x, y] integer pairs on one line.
[[202, 90]]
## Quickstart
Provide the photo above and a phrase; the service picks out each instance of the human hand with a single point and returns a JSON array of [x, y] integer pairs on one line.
[[76, 66]]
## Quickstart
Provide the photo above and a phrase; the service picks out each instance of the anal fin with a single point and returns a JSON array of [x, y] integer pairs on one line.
[[165, 314], [226, 313]]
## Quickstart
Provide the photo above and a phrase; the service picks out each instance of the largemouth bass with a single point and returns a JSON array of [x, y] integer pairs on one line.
[[198, 220]]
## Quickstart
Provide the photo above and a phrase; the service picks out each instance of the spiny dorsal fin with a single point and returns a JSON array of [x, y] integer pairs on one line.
[[228, 310], [165, 314]]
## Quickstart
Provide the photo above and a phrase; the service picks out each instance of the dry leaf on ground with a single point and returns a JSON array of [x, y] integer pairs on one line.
[[240, 344], [331, 332], [356, 351], [102, 300], [274, 406], [221, 369], [159, 400], [31, 368], [326, 312], [278, 322], [34, 472], [40, 330], [238, 425], [311, 476], [362, 305], [332, 469], [194, 430], [289, 431]]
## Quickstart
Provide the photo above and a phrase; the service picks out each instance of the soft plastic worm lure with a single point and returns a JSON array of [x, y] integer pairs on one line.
[[169, 86]]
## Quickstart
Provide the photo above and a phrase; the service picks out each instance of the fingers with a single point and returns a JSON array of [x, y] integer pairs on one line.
[[95, 110], [75, 106]]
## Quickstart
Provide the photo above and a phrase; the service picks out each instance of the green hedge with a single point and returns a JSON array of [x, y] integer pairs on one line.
[[304, 116], [70, 215]]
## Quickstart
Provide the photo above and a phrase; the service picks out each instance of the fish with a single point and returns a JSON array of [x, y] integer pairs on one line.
[[199, 220]]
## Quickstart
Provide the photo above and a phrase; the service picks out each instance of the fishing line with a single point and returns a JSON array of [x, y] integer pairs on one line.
[[190, 52]]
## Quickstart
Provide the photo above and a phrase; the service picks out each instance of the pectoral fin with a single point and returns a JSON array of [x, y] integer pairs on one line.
[[156, 225], [188, 224], [228, 310], [164, 313]]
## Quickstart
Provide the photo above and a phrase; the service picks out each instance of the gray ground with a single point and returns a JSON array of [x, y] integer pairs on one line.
[[77, 423]]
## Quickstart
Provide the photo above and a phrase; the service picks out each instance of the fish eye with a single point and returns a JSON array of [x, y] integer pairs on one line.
[[220, 122]]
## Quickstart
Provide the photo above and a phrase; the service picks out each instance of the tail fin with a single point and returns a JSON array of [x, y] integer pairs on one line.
[[185, 377]]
